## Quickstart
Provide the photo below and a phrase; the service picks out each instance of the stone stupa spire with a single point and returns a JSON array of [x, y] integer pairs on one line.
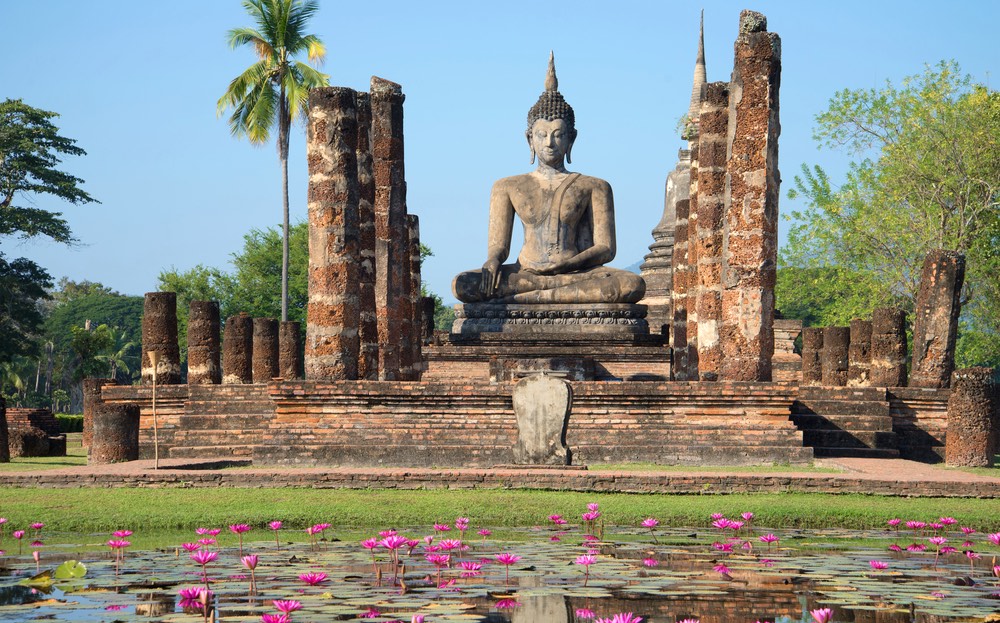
[[700, 76]]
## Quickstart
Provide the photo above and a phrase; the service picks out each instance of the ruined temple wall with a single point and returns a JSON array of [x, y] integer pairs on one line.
[[751, 221]]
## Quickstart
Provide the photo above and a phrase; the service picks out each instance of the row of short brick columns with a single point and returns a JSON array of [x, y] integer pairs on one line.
[[973, 427], [869, 353], [237, 350], [888, 350], [859, 353], [116, 433], [836, 344], [92, 398], [204, 345], [159, 333], [812, 356]]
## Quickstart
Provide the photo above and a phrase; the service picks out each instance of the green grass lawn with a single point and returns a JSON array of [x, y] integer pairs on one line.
[[76, 455]]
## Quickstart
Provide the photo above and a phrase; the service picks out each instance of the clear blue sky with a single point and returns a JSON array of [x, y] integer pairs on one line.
[[136, 85]]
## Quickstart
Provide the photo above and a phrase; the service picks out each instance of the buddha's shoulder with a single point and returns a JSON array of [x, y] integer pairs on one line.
[[527, 180], [595, 183]]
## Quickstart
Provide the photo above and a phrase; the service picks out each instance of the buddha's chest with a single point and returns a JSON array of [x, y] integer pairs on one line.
[[540, 205]]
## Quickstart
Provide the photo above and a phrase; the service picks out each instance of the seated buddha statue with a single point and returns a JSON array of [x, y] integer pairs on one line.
[[568, 219]]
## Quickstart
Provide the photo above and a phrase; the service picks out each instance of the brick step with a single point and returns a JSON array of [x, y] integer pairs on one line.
[[849, 439], [840, 407], [216, 437], [208, 452], [843, 422], [857, 453], [866, 394], [220, 422], [234, 407]]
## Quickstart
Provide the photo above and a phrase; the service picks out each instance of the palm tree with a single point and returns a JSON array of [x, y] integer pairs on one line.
[[276, 87], [118, 353]]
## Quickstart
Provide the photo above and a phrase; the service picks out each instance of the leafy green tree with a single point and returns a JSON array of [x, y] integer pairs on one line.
[[88, 346], [928, 176], [31, 149], [275, 89]]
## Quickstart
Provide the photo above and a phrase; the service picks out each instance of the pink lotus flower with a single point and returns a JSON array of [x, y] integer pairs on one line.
[[650, 562], [895, 548], [723, 547], [721, 569], [442, 527], [393, 542], [586, 561], [621, 617], [994, 538], [118, 543], [935, 526], [822, 615], [17, 534], [369, 544], [462, 523], [194, 597], [313, 579], [122, 534], [722, 523], [593, 506], [203, 557], [591, 515], [747, 516], [650, 522], [769, 539], [507, 559], [275, 618], [438, 560], [878, 565], [555, 538], [717, 516], [506, 604], [215, 532], [948, 521], [239, 528], [735, 525], [484, 533], [190, 547], [916, 547], [916, 525], [938, 540], [370, 613], [275, 525], [470, 569], [201, 530], [207, 542], [449, 544], [966, 530], [584, 613], [894, 522], [249, 561], [37, 525], [287, 606], [417, 618], [947, 550], [996, 571], [767, 562]]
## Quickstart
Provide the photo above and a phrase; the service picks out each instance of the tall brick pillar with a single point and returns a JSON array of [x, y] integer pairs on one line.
[[407, 330], [416, 311], [691, 263], [713, 123], [971, 439], [332, 343], [678, 329], [159, 333], [289, 350], [204, 344], [888, 366], [390, 221], [4, 433], [237, 350], [935, 319], [836, 342], [92, 398], [368, 323], [750, 252], [265, 350], [859, 354], [812, 356]]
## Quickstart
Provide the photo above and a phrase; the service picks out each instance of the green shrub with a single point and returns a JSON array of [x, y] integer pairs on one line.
[[70, 423]]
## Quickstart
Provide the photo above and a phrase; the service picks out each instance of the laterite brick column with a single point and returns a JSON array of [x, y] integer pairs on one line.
[[812, 356], [332, 341], [4, 433], [390, 221], [678, 329], [204, 344], [289, 350], [237, 350], [836, 342], [407, 330], [888, 367], [859, 354], [92, 398], [265, 349], [971, 440], [935, 319], [750, 254], [691, 263], [159, 333], [711, 208], [416, 313], [116, 433], [367, 319]]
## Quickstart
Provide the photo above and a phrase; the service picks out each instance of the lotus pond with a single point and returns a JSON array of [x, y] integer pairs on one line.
[[558, 572]]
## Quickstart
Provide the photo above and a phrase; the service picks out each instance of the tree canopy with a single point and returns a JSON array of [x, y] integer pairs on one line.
[[927, 177]]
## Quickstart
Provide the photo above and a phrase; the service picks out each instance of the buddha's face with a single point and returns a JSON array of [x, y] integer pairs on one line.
[[551, 140]]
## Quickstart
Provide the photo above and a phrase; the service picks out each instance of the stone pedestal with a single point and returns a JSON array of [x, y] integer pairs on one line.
[[159, 333], [265, 349], [836, 343], [592, 320], [812, 356], [542, 406], [289, 350], [888, 366], [92, 398], [204, 345], [935, 319], [971, 440], [4, 435], [332, 341], [237, 350], [116, 434], [859, 354], [751, 245]]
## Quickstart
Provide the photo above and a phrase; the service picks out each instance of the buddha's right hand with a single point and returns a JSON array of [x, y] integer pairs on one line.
[[491, 278]]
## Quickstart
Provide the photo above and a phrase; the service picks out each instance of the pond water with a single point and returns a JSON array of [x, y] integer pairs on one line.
[[661, 575]]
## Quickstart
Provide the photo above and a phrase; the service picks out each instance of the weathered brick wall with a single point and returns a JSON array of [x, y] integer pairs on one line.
[[920, 419], [23, 419]]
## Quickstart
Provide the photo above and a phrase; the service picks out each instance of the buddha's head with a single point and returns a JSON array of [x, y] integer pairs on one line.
[[551, 123]]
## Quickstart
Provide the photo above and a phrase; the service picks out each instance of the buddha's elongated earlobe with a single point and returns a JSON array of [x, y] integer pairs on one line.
[[569, 149], [531, 147]]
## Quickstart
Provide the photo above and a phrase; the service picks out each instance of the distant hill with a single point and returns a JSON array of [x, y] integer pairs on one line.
[[634, 267]]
